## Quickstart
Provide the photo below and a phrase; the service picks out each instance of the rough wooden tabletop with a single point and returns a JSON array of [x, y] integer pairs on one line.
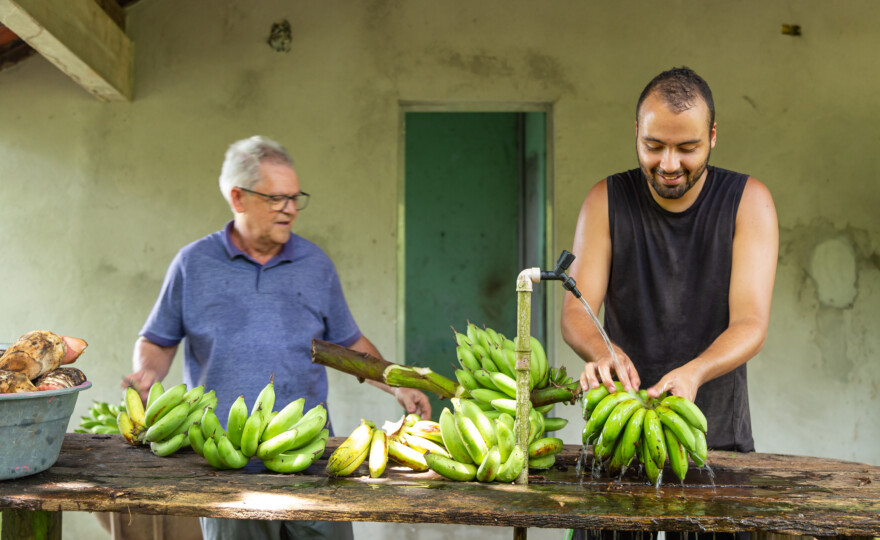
[[759, 492]]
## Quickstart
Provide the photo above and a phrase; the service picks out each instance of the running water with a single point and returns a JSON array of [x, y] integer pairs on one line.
[[604, 336]]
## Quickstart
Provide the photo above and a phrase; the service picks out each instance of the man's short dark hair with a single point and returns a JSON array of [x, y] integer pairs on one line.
[[678, 88]]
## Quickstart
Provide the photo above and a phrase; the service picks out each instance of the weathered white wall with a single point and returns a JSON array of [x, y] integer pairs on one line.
[[97, 198]]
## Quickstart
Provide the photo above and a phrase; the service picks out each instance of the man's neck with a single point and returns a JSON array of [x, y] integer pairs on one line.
[[262, 252]]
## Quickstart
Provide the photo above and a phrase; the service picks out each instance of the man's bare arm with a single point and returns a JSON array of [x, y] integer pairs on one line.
[[151, 363]]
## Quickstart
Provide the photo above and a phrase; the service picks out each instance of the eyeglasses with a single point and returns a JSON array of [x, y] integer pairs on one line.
[[279, 202]]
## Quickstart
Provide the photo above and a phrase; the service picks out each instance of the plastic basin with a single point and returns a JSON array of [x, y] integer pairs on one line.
[[32, 427]]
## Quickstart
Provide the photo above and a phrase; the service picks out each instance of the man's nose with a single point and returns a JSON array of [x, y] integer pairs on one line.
[[670, 161]]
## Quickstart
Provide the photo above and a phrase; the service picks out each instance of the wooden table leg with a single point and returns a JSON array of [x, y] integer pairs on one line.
[[25, 524]]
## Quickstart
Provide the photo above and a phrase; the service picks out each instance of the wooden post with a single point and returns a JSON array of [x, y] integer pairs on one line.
[[523, 375]]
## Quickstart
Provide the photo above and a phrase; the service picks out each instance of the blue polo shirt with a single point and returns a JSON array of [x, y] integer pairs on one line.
[[242, 321]]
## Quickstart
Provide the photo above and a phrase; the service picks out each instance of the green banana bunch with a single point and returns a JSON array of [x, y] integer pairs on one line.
[[622, 426], [101, 419]]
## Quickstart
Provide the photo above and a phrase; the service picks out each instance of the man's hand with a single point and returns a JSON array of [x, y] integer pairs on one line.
[[681, 381], [600, 372], [414, 401], [141, 381]]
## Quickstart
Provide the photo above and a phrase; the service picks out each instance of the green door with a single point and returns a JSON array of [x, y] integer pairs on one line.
[[466, 203]]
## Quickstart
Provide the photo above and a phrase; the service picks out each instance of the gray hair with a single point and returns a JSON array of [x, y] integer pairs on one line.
[[241, 166]]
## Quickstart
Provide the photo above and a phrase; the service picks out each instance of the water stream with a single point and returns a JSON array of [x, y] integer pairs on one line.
[[603, 334]]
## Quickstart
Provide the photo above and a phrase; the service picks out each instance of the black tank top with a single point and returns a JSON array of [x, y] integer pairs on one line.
[[667, 296]]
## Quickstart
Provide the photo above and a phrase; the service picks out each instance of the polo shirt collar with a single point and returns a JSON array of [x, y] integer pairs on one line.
[[286, 254]]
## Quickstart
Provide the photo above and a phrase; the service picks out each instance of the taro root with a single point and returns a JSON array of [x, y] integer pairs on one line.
[[39, 352], [60, 378], [12, 382]]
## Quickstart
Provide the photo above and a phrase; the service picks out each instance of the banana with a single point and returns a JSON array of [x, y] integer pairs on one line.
[[155, 391], [265, 401], [466, 379], [511, 468], [451, 439], [480, 352], [504, 383], [378, 459], [654, 441], [687, 410], [488, 364], [105, 430], [461, 339], [539, 357], [353, 451], [508, 344], [197, 438], [651, 468], [677, 453], [467, 359], [545, 446], [170, 399], [212, 454], [592, 398], [407, 456], [538, 419], [507, 419], [618, 418], [193, 395], [602, 411], [603, 448], [126, 428], [504, 405], [494, 337], [485, 426], [500, 360], [297, 436], [285, 419], [167, 424], [427, 429], [543, 462], [208, 399], [169, 446], [554, 423], [506, 440], [544, 409], [471, 438], [629, 441], [134, 408], [485, 382], [484, 395], [450, 468], [251, 433], [211, 427], [421, 445], [488, 469], [410, 419], [678, 425], [299, 460], [230, 455], [238, 414], [192, 418], [701, 451]]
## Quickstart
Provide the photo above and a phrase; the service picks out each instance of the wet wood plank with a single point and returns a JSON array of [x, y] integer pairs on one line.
[[760, 492]]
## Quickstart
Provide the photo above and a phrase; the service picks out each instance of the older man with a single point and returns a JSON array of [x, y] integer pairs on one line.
[[248, 300]]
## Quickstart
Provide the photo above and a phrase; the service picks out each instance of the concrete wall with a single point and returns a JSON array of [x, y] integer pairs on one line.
[[97, 198]]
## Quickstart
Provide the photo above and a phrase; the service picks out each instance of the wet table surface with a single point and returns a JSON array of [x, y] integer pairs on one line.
[[768, 493]]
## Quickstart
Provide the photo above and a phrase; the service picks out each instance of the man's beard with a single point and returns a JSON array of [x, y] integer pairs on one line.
[[674, 192]]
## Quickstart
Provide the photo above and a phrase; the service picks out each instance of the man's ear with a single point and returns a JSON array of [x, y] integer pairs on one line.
[[235, 202], [712, 135]]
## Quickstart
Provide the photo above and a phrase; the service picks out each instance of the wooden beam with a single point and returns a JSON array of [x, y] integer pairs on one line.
[[80, 39]]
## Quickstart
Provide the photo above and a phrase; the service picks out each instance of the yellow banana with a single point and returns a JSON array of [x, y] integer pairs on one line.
[[353, 451], [451, 439], [687, 410], [300, 459], [235, 420], [167, 424], [427, 429], [407, 456], [677, 453], [163, 404], [134, 408], [422, 445], [378, 459], [126, 428], [488, 469], [450, 468]]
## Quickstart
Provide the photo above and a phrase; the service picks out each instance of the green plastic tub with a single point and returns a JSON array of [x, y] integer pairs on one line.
[[32, 427]]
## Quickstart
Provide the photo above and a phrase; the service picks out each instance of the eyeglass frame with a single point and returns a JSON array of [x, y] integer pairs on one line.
[[276, 199]]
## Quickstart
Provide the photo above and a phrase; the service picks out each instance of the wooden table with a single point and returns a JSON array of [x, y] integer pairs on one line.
[[768, 493]]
